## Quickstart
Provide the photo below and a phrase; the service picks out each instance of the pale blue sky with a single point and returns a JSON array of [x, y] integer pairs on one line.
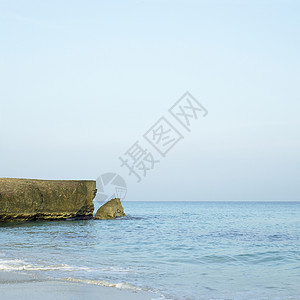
[[81, 81]]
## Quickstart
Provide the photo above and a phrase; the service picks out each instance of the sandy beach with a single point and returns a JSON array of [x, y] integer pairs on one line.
[[18, 286]]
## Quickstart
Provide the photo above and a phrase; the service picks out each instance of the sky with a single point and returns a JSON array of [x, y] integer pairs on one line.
[[82, 81]]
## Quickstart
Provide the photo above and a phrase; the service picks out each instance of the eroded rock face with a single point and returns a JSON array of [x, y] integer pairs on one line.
[[110, 210], [28, 199]]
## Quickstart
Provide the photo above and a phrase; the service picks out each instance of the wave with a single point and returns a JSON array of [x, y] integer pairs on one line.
[[20, 265], [117, 270], [119, 285]]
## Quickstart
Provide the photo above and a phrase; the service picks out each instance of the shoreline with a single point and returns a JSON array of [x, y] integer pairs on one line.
[[14, 285]]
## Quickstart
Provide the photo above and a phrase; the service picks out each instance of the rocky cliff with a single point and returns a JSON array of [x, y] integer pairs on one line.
[[28, 199]]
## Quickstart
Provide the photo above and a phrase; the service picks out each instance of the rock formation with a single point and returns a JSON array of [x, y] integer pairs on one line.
[[27, 199], [110, 210]]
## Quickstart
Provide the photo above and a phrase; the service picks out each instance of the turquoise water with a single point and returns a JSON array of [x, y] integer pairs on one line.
[[183, 250]]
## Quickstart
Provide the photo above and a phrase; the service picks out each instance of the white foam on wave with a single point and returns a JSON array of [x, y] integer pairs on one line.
[[119, 285], [20, 265], [7, 265]]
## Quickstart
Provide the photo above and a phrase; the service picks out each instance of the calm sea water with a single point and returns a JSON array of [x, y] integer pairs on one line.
[[183, 250]]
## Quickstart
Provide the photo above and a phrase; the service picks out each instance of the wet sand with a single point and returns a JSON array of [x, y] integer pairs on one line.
[[18, 286]]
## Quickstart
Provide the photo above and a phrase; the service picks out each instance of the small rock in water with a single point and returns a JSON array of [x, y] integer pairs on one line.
[[110, 210]]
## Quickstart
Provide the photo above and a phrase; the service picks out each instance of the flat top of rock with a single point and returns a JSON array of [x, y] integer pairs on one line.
[[9, 184], [41, 180]]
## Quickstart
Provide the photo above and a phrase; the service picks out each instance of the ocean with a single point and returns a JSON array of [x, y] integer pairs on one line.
[[180, 250]]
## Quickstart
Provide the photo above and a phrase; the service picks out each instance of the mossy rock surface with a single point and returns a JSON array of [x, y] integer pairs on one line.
[[30, 199], [110, 210]]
